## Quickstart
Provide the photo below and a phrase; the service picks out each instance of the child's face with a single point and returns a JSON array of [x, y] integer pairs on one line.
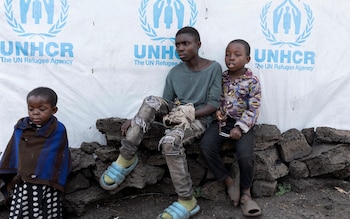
[[40, 110], [235, 57], [186, 46]]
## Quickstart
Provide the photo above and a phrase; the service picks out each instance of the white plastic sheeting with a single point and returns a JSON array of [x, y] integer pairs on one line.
[[103, 57]]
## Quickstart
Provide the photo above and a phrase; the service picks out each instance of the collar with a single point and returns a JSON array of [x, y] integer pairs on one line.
[[41, 130]]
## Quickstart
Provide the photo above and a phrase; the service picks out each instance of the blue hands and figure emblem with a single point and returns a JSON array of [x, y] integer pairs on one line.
[[286, 20], [168, 12], [168, 15], [286, 10], [49, 8], [37, 13], [277, 14], [24, 8], [180, 12], [287, 16], [296, 17], [157, 11]]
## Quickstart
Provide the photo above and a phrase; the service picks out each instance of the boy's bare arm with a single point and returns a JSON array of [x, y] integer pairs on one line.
[[205, 111]]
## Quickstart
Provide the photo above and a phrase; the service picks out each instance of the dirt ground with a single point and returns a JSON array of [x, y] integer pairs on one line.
[[324, 199]]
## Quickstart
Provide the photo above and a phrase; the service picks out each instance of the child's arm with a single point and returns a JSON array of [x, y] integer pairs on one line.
[[250, 115]]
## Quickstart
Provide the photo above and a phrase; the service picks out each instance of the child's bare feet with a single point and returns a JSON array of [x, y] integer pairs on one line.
[[233, 190]]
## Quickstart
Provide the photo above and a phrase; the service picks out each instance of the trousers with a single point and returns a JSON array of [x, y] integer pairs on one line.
[[211, 147], [171, 145]]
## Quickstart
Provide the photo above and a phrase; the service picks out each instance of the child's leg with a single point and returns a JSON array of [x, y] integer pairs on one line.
[[51, 203], [245, 157], [33, 201], [210, 147], [245, 153], [174, 153], [139, 125], [17, 205]]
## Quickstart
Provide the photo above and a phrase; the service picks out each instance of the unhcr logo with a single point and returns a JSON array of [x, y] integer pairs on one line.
[[160, 20], [285, 24], [29, 18], [37, 19], [166, 15]]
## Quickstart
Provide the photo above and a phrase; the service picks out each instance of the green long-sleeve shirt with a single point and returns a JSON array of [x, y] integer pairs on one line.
[[198, 87]]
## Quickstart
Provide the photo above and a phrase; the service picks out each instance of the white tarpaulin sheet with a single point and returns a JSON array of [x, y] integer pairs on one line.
[[103, 57]]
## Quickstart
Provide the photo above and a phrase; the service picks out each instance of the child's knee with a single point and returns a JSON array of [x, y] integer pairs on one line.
[[246, 162], [171, 143], [152, 102]]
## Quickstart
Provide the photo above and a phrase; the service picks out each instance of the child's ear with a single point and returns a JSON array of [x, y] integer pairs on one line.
[[199, 44], [248, 59], [54, 110]]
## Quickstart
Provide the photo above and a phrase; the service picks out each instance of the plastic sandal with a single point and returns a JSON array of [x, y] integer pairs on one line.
[[250, 208], [117, 174], [177, 211]]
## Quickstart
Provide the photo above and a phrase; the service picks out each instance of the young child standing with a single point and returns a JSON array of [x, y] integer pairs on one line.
[[236, 117], [38, 159]]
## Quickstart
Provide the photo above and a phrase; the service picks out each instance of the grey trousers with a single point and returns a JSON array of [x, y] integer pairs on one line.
[[171, 144]]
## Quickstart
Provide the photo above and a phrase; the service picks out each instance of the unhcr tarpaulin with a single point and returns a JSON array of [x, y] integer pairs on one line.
[[103, 57]]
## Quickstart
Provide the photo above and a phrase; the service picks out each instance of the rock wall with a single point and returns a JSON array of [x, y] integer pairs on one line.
[[290, 156]]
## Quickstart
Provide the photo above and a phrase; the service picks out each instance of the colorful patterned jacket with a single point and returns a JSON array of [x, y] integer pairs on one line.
[[241, 99]]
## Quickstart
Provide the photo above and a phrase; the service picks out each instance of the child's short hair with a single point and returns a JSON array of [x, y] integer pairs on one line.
[[244, 43], [46, 93], [189, 30]]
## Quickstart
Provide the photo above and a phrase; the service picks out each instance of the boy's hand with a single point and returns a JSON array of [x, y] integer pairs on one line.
[[220, 116], [236, 133], [125, 126]]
